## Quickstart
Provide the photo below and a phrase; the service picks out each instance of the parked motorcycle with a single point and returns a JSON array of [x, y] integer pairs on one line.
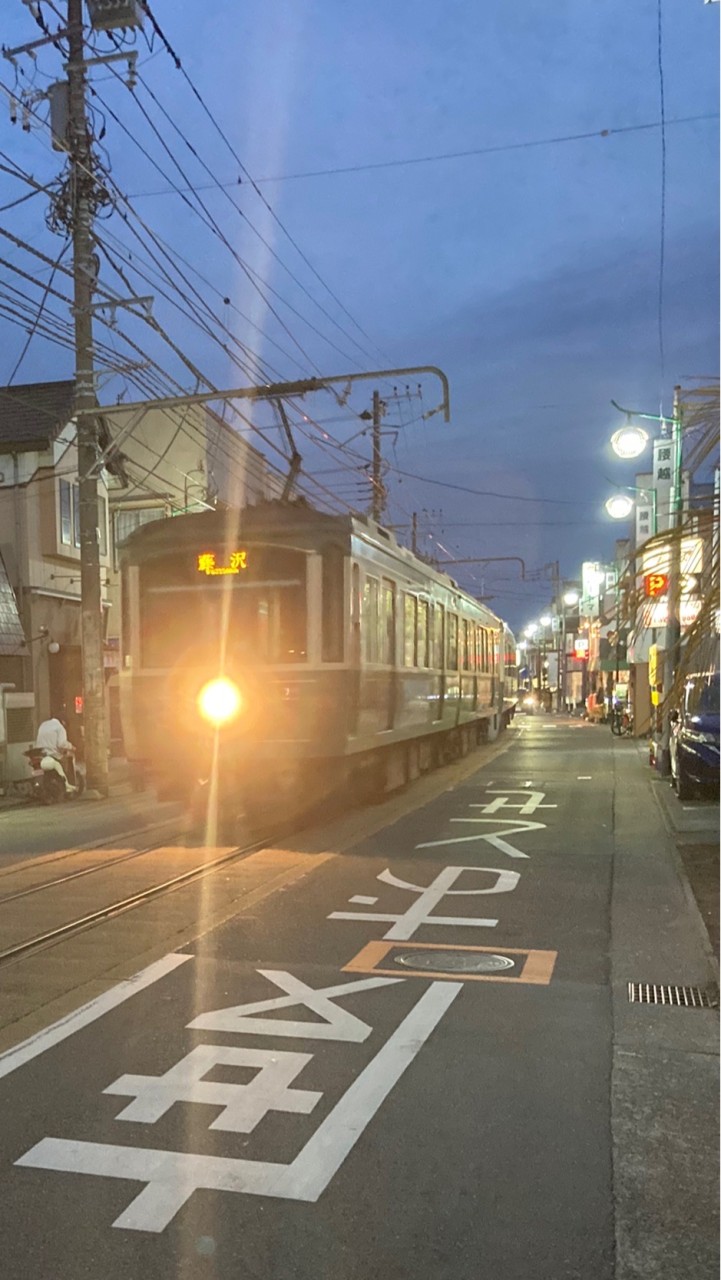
[[48, 776]]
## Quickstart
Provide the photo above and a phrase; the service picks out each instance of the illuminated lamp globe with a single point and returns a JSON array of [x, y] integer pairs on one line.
[[220, 701], [546, 620], [629, 441], [571, 597], [619, 507], [531, 631], [53, 647]]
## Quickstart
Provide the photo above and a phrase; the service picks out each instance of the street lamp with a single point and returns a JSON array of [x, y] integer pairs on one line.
[[568, 600], [619, 506], [630, 441]]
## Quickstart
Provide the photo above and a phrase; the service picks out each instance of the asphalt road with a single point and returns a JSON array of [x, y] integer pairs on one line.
[[296, 1095]]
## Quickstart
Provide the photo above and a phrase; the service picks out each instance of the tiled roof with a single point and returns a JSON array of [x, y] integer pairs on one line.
[[32, 415], [12, 639]]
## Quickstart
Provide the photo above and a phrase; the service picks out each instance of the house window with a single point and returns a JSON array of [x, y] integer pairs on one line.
[[103, 525], [76, 515], [66, 513], [70, 517]]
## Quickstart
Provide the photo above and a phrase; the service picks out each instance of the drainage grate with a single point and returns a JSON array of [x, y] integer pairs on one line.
[[686, 997]]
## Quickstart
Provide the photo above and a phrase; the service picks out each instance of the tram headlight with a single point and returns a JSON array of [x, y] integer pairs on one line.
[[220, 701]]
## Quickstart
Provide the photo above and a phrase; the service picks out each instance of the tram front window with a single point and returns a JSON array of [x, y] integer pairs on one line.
[[261, 621]]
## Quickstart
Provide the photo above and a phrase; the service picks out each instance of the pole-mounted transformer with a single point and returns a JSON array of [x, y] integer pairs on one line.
[[109, 15]]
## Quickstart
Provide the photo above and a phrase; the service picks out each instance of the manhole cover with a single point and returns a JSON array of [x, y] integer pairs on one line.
[[454, 961]]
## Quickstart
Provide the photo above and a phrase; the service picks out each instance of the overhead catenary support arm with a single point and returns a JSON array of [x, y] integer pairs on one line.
[[273, 390], [295, 458], [442, 564]]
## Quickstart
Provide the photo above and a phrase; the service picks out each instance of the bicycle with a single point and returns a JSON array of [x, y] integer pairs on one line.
[[621, 722]]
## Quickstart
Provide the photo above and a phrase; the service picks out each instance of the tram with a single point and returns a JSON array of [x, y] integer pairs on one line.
[[292, 652]]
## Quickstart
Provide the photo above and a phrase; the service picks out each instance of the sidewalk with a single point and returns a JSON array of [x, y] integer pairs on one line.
[[120, 784], [694, 829], [665, 1057]]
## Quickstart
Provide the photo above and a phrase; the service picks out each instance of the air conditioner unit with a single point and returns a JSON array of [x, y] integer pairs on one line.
[[108, 15], [17, 733]]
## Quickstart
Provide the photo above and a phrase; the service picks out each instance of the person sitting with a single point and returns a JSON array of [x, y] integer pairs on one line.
[[53, 740]]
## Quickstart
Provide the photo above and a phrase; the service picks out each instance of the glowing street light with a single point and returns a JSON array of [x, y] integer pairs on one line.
[[619, 507], [546, 620], [629, 441], [571, 597]]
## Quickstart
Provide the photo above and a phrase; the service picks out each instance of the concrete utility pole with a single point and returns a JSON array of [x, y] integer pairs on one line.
[[81, 160], [673, 621], [378, 496]]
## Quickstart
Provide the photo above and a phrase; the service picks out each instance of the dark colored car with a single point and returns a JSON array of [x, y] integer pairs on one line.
[[694, 746]]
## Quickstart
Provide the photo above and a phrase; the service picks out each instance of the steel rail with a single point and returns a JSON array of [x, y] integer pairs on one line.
[[75, 875], [43, 940]]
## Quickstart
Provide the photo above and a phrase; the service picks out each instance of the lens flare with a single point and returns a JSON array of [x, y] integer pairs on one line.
[[220, 701]]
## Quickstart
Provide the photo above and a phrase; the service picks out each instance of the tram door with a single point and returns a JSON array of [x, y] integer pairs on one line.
[[439, 656], [388, 646]]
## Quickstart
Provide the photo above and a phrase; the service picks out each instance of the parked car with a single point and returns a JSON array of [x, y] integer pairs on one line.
[[694, 744]]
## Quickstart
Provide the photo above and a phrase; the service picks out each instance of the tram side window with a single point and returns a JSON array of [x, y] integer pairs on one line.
[[388, 625], [370, 619], [410, 608], [466, 643], [452, 647], [423, 656], [332, 607], [477, 647], [438, 626]]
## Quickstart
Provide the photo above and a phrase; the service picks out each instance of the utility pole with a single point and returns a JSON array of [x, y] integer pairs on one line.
[[378, 496], [82, 179], [673, 621], [414, 533]]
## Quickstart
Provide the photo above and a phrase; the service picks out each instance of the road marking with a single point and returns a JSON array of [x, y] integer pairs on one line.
[[533, 800], [584, 777], [87, 1013], [243, 1105], [172, 1176], [495, 837], [537, 969], [363, 900], [337, 1023], [404, 924]]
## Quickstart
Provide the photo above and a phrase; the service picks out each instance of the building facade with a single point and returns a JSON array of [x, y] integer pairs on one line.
[[154, 467]]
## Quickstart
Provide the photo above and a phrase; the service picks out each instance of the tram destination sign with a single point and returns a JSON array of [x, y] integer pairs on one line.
[[207, 563]]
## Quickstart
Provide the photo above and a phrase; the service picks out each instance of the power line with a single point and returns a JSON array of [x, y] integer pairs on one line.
[[180, 67], [266, 243], [38, 317], [662, 230], [406, 162]]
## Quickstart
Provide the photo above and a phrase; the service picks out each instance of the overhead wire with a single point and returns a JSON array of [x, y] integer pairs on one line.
[[40, 309], [221, 132], [467, 153], [248, 221], [212, 224], [662, 216]]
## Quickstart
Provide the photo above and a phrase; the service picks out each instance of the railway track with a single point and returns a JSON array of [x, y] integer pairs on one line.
[[50, 937], [76, 875]]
